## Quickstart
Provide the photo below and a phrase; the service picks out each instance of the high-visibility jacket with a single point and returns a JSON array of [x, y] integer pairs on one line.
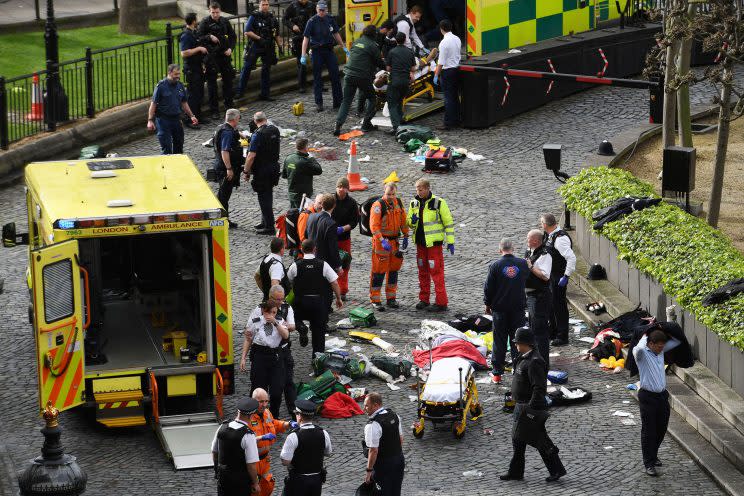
[[262, 424], [390, 223], [436, 218], [302, 222]]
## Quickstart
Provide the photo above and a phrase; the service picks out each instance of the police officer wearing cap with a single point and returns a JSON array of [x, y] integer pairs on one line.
[[235, 453], [528, 392], [303, 452], [168, 100], [295, 17], [221, 43], [261, 31], [383, 443]]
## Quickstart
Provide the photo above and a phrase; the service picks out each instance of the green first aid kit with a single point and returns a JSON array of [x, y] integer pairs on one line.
[[396, 367], [362, 317], [337, 362], [320, 388]]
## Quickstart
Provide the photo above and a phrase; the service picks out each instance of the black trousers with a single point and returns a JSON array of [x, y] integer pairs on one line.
[[195, 85], [266, 204], [559, 314], [388, 473], [267, 372], [505, 325], [315, 310], [654, 422], [301, 69], [538, 307], [225, 190], [303, 485], [290, 390], [225, 68], [548, 451]]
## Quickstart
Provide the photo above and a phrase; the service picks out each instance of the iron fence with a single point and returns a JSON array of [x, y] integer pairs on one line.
[[103, 79]]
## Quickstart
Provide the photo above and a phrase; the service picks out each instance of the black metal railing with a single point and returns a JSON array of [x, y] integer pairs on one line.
[[103, 79]]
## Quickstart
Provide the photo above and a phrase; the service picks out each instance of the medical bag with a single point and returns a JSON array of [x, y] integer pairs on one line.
[[439, 160]]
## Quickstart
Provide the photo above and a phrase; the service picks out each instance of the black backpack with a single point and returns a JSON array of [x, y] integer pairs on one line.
[[366, 208]]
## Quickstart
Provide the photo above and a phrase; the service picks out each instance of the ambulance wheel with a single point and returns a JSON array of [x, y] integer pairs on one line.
[[458, 429], [418, 430], [476, 410]]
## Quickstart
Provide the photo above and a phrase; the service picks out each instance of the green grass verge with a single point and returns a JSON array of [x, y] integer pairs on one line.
[[687, 256], [23, 53]]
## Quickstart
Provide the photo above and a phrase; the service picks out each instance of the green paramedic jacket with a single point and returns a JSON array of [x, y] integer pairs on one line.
[[365, 59], [438, 224], [299, 169]]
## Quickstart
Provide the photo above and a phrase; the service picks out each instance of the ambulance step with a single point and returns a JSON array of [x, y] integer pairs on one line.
[[119, 401], [187, 439], [123, 421]]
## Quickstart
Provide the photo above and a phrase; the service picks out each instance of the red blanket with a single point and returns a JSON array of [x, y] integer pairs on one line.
[[340, 405], [451, 348]]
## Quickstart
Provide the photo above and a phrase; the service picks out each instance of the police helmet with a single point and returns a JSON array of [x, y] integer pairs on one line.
[[305, 407], [524, 335]]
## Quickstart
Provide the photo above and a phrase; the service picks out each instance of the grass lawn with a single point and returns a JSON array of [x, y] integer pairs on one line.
[[23, 53]]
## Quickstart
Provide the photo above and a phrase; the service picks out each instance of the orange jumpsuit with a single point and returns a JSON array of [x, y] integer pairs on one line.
[[262, 424], [390, 226]]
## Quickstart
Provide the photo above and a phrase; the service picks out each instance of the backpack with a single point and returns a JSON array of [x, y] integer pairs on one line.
[[286, 226], [366, 208], [337, 362]]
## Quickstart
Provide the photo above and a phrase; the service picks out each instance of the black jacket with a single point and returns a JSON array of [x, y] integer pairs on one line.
[[505, 284], [681, 356], [346, 212], [530, 379], [321, 228]]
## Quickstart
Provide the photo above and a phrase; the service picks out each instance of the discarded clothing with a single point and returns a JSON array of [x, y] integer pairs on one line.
[[725, 292], [681, 356], [563, 396], [606, 344], [621, 207], [351, 134], [626, 324], [453, 348], [340, 405]]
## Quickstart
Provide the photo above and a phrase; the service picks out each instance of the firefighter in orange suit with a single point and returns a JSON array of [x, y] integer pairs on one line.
[[266, 427], [387, 222]]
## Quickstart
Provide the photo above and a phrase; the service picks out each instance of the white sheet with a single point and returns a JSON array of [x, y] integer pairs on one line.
[[443, 384]]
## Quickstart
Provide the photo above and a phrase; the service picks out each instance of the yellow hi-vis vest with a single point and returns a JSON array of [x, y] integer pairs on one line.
[[437, 219]]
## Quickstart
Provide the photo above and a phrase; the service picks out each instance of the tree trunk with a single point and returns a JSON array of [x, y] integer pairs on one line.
[[670, 100], [133, 17], [724, 116], [684, 122]]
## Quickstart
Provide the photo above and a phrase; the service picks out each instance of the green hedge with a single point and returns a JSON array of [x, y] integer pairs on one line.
[[687, 256]]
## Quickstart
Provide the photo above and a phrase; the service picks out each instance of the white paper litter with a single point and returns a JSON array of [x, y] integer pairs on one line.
[[356, 349], [376, 142], [621, 413], [383, 331], [463, 225], [344, 380], [365, 180], [625, 402], [587, 339], [335, 342], [627, 421], [483, 380], [551, 355], [472, 473], [575, 321], [515, 50], [475, 157], [609, 447], [381, 121], [345, 324], [578, 393], [393, 387], [364, 159]]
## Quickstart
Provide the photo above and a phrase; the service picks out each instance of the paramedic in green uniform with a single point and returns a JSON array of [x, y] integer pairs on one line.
[[402, 68]]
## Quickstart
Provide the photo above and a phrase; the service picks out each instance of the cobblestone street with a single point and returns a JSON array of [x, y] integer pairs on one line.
[[500, 196]]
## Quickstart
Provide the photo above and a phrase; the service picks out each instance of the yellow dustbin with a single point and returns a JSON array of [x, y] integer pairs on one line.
[[180, 339]]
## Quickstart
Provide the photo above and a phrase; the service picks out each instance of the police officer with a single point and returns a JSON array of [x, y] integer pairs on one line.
[[221, 37], [503, 295], [192, 53], [263, 337], [528, 392], [433, 228], [235, 453], [271, 271], [303, 452], [262, 162], [383, 441], [299, 169], [261, 31], [168, 100], [401, 64], [321, 34], [228, 155], [540, 263], [560, 246], [296, 17], [359, 71], [310, 277], [265, 426]]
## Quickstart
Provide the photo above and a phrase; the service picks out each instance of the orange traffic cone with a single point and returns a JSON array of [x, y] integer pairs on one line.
[[37, 103], [352, 174]]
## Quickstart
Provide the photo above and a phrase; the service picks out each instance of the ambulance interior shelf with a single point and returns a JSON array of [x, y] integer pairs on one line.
[[142, 288]]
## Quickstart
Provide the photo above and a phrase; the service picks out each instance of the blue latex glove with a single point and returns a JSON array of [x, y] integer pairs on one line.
[[348, 53], [339, 230], [451, 248], [563, 282], [436, 79], [293, 424], [303, 60], [386, 245], [268, 437], [414, 219], [405, 243]]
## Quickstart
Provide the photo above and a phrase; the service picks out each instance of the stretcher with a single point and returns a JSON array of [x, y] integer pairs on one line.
[[422, 98], [449, 395]]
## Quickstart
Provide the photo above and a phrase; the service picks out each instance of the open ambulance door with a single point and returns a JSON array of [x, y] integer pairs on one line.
[[58, 324], [359, 13]]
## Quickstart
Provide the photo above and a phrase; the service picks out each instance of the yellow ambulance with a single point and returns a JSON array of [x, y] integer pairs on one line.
[[130, 295]]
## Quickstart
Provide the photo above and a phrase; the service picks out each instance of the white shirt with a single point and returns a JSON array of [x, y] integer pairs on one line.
[[276, 271], [256, 313], [264, 333], [412, 37], [329, 274], [563, 245], [291, 443], [248, 443], [373, 430], [449, 51], [544, 264]]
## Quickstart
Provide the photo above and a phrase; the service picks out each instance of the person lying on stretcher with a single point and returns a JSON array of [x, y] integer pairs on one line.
[[426, 65]]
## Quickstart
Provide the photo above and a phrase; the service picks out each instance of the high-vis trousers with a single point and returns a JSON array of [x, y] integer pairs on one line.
[[430, 264], [384, 262], [343, 279]]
